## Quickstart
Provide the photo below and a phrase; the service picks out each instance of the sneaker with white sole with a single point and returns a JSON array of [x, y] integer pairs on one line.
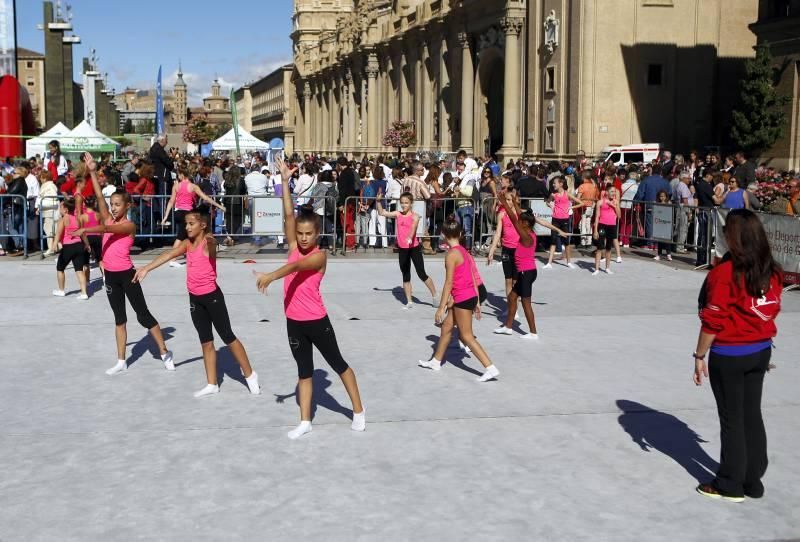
[[530, 337], [595, 272], [572, 265], [83, 297], [503, 330], [169, 364], [619, 260], [707, 490], [59, 293], [547, 266], [120, 367], [609, 272], [436, 365]]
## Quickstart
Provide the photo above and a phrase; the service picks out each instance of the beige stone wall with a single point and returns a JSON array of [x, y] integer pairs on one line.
[[32, 78]]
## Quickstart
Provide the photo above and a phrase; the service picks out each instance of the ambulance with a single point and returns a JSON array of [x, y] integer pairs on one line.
[[638, 153]]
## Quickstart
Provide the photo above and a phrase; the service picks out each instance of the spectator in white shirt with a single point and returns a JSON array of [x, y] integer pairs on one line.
[[683, 196], [305, 184]]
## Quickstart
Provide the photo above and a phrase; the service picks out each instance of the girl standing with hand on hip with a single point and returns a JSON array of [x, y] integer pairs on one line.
[[604, 232], [307, 321], [206, 302], [739, 301], [118, 235], [463, 283], [408, 248]]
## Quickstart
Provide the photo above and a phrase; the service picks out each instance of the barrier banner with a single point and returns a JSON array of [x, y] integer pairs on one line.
[[663, 227], [783, 234], [267, 216], [540, 209]]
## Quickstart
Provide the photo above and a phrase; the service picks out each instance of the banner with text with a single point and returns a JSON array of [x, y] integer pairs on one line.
[[267, 216]]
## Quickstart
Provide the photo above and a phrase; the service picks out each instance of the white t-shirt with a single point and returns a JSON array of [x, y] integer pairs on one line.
[[629, 189], [256, 183], [393, 188], [387, 172], [61, 167], [304, 186], [33, 186], [107, 191], [470, 165]]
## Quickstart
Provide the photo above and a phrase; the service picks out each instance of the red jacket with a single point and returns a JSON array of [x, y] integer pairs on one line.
[[734, 316]]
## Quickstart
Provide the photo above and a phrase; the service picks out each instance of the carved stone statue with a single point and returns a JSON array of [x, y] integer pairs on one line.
[[551, 25]]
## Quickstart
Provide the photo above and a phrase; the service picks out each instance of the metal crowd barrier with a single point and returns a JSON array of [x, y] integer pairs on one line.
[[14, 221], [360, 213]]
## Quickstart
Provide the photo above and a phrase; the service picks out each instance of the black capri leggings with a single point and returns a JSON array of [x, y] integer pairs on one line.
[[180, 225], [304, 335], [74, 253], [408, 255], [208, 309], [119, 285]]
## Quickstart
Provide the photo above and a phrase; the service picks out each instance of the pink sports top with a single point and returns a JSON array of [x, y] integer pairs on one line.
[[201, 270], [607, 215], [525, 257], [301, 298], [404, 225], [92, 222], [117, 249], [69, 230], [184, 198], [463, 285], [561, 205], [510, 236]]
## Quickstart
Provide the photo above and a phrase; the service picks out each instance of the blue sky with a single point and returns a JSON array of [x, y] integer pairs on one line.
[[237, 40]]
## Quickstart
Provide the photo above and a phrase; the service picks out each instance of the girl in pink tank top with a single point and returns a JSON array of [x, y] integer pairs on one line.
[[118, 234], [73, 250], [307, 322], [525, 262], [206, 302], [408, 249], [507, 238], [462, 295], [606, 214], [562, 203]]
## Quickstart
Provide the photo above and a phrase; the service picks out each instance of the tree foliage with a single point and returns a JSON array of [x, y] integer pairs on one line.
[[759, 119], [198, 131], [399, 135]]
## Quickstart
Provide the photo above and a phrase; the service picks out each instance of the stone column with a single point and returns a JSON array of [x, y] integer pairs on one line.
[[467, 82], [307, 118], [427, 97], [512, 147], [445, 136], [372, 102], [347, 104]]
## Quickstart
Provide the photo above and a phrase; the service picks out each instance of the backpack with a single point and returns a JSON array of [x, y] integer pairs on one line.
[[331, 196]]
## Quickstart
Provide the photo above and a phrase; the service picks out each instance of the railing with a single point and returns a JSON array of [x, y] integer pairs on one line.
[[14, 222], [361, 225]]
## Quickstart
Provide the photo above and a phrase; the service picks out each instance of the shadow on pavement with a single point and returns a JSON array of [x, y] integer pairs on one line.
[[146, 343], [653, 429], [321, 396]]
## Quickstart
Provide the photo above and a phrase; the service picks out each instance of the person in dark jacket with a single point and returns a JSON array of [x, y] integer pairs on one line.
[[744, 170], [163, 165], [14, 211], [346, 185], [648, 192], [704, 196]]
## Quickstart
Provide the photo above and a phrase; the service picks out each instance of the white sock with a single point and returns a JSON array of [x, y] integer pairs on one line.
[[210, 389], [300, 430], [531, 336], [252, 383], [491, 372], [169, 364], [118, 368], [432, 363], [359, 420]]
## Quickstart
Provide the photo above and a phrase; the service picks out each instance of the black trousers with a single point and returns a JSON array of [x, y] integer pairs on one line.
[[208, 310], [407, 256], [737, 382], [119, 285], [304, 336]]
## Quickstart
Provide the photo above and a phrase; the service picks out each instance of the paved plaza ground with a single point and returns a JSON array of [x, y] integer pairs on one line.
[[595, 432]]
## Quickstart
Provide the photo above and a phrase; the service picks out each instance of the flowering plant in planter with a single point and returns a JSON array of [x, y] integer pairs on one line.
[[198, 132], [399, 135]]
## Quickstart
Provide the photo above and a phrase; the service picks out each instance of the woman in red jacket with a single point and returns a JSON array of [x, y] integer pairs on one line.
[[738, 304]]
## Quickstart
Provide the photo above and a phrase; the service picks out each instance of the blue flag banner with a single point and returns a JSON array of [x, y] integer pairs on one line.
[[159, 105]]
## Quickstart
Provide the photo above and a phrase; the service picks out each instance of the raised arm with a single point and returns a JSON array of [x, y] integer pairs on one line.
[[381, 211], [102, 206], [524, 236], [142, 272], [288, 207]]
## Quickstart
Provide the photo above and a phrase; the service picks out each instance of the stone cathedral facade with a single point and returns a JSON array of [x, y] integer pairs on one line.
[[532, 78]]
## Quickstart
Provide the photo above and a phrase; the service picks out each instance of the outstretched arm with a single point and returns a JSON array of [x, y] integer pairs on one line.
[[549, 226], [203, 196], [142, 272], [314, 262]]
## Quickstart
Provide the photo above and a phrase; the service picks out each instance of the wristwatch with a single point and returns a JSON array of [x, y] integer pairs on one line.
[[696, 357]]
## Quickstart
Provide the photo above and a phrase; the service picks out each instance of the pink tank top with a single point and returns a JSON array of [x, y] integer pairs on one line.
[[301, 298], [525, 257], [510, 236], [184, 198], [463, 286], [404, 225], [561, 206], [117, 249], [92, 222], [201, 271], [69, 230], [607, 215]]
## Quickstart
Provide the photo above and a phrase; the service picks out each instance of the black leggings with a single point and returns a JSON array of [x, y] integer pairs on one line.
[[74, 253], [304, 335], [408, 255], [119, 285], [208, 309]]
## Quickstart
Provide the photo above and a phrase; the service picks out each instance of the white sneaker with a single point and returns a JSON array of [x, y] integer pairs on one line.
[[609, 272], [166, 357], [595, 272], [175, 263], [547, 266], [503, 330], [252, 383], [120, 367], [408, 306], [59, 293], [530, 337], [430, 364], [572, 265], [619, 259], [83, 297], [656, 257]]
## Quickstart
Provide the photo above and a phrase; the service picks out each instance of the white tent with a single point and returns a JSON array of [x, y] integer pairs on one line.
[[247, 142], [85, 138], [38, 145]]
